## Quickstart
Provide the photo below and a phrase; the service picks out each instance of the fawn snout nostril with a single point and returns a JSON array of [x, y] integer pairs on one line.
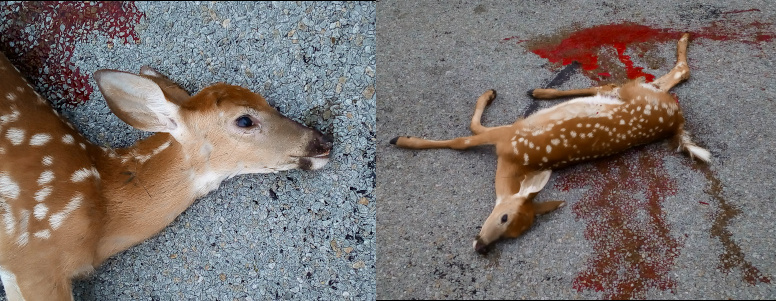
[[326, 141], [480, 246]]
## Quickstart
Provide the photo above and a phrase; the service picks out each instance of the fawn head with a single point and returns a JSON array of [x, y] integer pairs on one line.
[[233, 130], [515, 214]]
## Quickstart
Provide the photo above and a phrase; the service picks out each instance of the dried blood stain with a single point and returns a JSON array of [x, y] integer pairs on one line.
[[633, 249], [39, 38], [732, 256]]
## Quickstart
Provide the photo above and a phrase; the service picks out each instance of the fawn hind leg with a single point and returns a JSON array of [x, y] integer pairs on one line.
[[610, 89], [482, 102], [681, 70]]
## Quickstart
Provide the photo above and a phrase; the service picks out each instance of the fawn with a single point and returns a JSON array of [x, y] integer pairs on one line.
[[607, 120], [67, 205]]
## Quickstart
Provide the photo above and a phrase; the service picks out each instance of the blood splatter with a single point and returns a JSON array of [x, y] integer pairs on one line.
[[39, 38], [586, 45], [632, 248]]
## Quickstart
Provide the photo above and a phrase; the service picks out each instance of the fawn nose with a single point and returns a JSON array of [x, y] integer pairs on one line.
[[326, 141], [480, 246], [320, 145]]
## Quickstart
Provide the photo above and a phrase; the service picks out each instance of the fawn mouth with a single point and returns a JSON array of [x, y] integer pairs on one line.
[[322, 155]]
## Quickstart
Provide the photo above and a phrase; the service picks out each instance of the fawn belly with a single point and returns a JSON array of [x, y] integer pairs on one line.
[[591, 127]]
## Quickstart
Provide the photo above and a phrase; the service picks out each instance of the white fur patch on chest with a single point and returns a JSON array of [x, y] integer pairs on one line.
[[593, 106], [206, 182], [12, 290]]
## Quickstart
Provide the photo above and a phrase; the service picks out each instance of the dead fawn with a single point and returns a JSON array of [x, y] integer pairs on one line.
[[604, 121], [67, 205]]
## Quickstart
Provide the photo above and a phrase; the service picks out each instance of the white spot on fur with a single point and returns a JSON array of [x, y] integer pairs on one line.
[[622, 121], [16, 136], [573, 134], [555, 141], [47, 160], [39, 211], [10, 96], [549, 149], [45, 177], [58, 218], [8, 188], [39, 139], [42, 194], [13, 117], [68, 139], [83, 146], [43, 234], [525, 157], [80, 175], [660, 119]]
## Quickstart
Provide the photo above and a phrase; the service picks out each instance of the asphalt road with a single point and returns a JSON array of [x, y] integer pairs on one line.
[[648, 223]]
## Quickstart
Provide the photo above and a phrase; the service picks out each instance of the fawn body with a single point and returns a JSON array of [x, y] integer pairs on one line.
[[66, 205], [605, 120]]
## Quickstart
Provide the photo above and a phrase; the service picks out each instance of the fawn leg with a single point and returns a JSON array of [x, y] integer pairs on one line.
[[482, 102], [681, 70]]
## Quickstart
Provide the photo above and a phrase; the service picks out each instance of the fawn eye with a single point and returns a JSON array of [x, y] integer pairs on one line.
[[504, 219], [244, 121]]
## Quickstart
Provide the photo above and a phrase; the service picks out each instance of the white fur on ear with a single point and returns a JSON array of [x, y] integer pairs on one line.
[[146, 70], [138, 101], [533, 182]]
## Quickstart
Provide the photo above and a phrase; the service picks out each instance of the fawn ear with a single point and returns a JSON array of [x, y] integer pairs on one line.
[[138, 101], [172, 90], [533, 182]]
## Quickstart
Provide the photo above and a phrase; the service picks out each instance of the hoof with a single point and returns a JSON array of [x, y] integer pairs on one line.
[[492, 97], [531, 93], [393, 141]]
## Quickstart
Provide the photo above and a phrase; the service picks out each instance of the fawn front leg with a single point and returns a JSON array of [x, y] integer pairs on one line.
[[482, 102], [487, 138]]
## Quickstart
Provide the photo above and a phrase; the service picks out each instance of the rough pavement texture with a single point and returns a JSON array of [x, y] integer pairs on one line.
[[649, 223], [290, 235]]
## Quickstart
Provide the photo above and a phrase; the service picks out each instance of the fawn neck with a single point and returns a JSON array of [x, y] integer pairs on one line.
[[147, 185]]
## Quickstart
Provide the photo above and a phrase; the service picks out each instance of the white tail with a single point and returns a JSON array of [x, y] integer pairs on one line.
[[603, 121], [67, 205]]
